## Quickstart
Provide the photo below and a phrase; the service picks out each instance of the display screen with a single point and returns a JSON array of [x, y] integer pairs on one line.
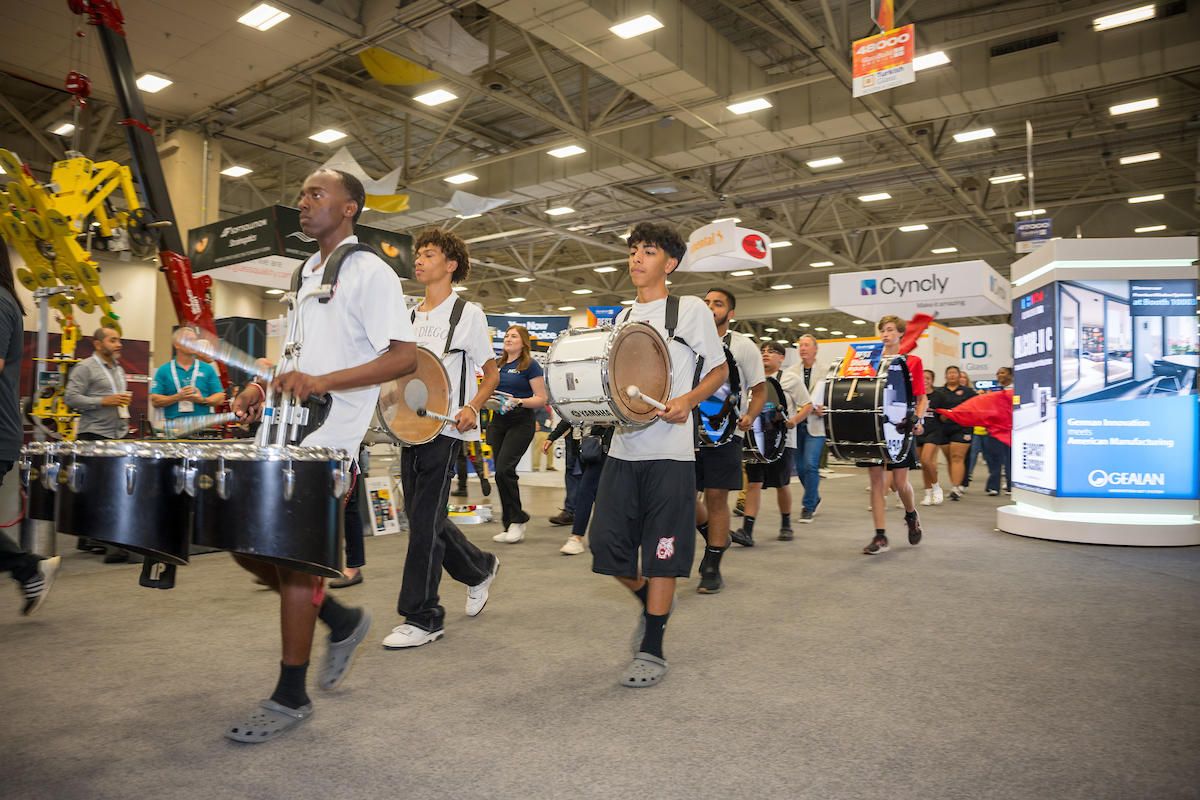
[[1036, 342]]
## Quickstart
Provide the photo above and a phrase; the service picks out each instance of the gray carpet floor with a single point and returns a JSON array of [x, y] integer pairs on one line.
[[977, 665]]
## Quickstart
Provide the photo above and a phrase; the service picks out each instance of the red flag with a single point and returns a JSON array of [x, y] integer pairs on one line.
[[992, 410], [912, 332], [884, 15]]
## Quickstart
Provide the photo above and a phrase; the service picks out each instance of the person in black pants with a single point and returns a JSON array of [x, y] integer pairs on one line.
[[591, 464], [511, 430]]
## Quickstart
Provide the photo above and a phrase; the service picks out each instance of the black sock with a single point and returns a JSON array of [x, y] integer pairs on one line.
[[341, 619], [879, 533], [655, 626], [643, 593], [290, 690], [748, 524], [703, 528], [910, 515], [711, 563], [786, 521]]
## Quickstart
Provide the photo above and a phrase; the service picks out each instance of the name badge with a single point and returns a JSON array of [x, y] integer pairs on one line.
[[186, 406]]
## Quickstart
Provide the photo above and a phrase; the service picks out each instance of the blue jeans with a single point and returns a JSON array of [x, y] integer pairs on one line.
[[998, 456], [807, 460], [977, 444]]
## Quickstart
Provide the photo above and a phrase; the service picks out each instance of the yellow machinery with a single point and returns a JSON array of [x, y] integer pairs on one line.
[[44, 222]]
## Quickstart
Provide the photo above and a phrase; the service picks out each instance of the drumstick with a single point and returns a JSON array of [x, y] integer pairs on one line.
[[207, 344], [636, 394], [424, 412], [182, 426]]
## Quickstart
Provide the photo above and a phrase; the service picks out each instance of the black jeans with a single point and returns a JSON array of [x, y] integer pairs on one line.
[[588, 482], [355, 554], [509, 436], [13, 559], [573, 476], [433, 540]]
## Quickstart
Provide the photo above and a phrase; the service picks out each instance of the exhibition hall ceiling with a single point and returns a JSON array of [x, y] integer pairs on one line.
[[652, 133]]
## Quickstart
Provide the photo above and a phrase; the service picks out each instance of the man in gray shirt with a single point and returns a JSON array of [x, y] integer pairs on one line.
[[97, 390]]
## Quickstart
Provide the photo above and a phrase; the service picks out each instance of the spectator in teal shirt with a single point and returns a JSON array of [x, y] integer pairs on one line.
[[186, 386]]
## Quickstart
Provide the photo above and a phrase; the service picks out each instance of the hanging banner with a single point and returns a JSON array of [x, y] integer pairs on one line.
[[883, 61], [602, 315], [1032, 233], [947, 291], [723, 247]]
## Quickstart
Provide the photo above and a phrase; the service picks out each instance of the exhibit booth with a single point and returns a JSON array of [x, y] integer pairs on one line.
[[1106, 433]]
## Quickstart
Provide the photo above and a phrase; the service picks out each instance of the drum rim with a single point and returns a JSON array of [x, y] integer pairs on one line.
[[624, 330], [387, 429]]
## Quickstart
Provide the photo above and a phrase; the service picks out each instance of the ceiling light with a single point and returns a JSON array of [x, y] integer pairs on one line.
[[1140, 157], [851, 336], [462, 177], [1136, 105], [804, 325], [1146, 198], [783, 341], [971, 136], [522, 279], [460, 288], [569, 150], [513, 314], [558, 211], [771, 330], [859, 322], [604, 269], [236, 172], [468, 216], [832, 161], [566, 308], [734, 220], [622, 235], [1120, 18], [626, 302], [435, 98], [328, 135], [661, 190], [930, 60], [942, 250], [516, 299], [636, 26], [920, 226], [780, 243], [835, 333], [785, 319], [741, 273], [152, 82], [263, 16], [64, 130], [765, 338], [757, 104], [821, 264], [871, 198], [274, 291], [1029, 212], [1012, 177], [777, 287], [1150, 229], [820, 329], [581, 291]]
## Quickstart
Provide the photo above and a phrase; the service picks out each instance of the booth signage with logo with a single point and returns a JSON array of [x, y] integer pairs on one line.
[[983, 349], [883, 61], [962, 289], [723, 246], [1032, 234], [543, 328]]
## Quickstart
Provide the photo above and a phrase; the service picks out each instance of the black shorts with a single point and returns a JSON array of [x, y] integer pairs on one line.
[[646, 508], [720, 467], [908, 463], [774, 475], [948, 433]]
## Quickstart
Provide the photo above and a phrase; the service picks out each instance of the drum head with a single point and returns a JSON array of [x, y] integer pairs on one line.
[[768, 438], [428, 382], [638, 357], [897, 403]]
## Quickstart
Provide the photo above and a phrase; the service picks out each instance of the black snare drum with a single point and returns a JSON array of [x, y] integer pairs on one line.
[[37, 479], [870, 419], [766, 441]]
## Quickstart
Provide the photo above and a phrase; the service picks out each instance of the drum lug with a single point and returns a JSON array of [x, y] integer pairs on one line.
[[289, 482], [185, 479], [25, 469], [223, 482], [75, 476], [130, 477], [50, 476], [341, 482]]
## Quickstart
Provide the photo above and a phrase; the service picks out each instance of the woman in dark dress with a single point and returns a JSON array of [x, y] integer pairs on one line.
[[953, 440]]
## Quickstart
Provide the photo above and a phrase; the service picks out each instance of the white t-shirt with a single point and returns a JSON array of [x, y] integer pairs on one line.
[[792, 387], [749, 366], [661, 440], [814, 393], [355, 327], [471, 336]]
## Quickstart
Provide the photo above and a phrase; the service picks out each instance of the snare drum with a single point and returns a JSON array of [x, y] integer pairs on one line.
[[39, 486], [278, 504], [766, 442], [589, 369], [125, 493], [862, 414], [395, 420]]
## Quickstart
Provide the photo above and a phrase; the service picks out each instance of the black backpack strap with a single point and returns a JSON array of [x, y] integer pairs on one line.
[[455, 315], [333, 269]]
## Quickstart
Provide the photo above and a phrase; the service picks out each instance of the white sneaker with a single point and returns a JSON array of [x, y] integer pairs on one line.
[[512, 534], [956, 492], [573, 547], [938, 497], [409, 636], [928, 501], [477, 596]]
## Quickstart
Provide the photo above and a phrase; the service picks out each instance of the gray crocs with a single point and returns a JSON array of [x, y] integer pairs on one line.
[[644, 670], [639, 630], [339, 656], [271, 720]]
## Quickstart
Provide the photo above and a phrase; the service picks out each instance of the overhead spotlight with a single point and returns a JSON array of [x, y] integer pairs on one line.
[[741, 273], [821, 264], [460, 288], [604, 269], [930, 60], [436, 97], [734, 220], [872, 198], [581, 291], [832, 161], [462, 177], [516, 299], [1140, 157], [566, 308], [920, 226], [780, 286], [780, 243], [1146, 198], [943, 250], [523, 279], [1010, 178], [975, 135], [757, 104], [274, 291], [64, 130], [151, 82], [559, 211], [1150, 229], [564, 152], [1029, 212], [1136, 105], [1128, 17], [468, 216], [263, 16], [328, 135], [236, 171]]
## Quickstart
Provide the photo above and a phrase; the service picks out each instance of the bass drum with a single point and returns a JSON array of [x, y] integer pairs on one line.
[[870, 419], [589, 369], [396, 418], [766, 442]]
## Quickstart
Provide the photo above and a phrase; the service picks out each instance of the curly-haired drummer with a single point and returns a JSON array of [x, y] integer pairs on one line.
[[352, 343], [642, 524], [891, 328]]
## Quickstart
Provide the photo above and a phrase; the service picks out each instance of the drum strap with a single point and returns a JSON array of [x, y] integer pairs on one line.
[[333, 268], [456, 312]]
